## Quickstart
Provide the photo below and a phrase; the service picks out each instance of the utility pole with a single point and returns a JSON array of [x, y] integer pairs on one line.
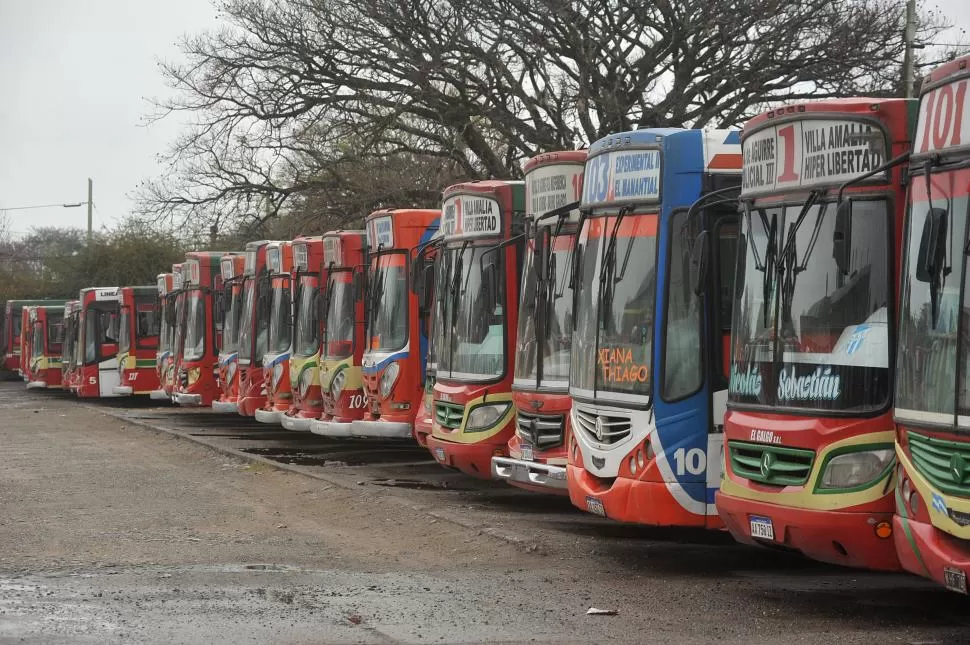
[[909, 35], [90, 209]]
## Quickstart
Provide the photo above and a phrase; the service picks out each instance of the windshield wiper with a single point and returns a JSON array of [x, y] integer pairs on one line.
[[793, 231], [608, 268]]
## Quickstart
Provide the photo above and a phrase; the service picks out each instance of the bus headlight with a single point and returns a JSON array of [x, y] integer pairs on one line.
[[858, 468], [484, 417], [277, 374], [388, 379], [231, 371], [337, 384]]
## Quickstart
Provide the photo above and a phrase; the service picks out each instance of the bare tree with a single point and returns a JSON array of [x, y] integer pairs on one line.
[[292, 98]]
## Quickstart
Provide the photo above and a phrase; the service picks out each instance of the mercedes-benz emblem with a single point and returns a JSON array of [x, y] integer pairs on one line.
[[767, 461], [599, 428], [958, 467]]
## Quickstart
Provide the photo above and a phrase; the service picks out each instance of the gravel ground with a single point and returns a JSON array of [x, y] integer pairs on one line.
[[113, 533]]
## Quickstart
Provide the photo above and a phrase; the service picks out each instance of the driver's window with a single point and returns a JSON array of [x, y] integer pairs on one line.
[[682, 320], [725, 258]]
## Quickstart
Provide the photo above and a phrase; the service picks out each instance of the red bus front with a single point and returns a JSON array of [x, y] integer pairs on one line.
[[139, 330], [253, 330], [393, 364], [276, 360], [540, 392], [98, 369], [343, 334], [809, 431], [478, 298], [196, 384], [230, 297]]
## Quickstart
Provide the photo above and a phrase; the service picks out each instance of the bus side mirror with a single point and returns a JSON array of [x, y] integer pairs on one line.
[[698, 263], [417, 270], [932, 246], [574, 279], [842, 237], [426, 288]]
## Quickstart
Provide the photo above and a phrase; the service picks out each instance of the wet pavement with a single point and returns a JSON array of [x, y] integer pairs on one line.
[[124, 523]]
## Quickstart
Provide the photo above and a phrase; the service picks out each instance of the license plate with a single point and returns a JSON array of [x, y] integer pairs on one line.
[[526, 453], [761, 527], [955, 580], [595, 506], [439, 454]]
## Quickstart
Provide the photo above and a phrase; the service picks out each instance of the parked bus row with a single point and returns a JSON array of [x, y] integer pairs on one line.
[[762, 331]]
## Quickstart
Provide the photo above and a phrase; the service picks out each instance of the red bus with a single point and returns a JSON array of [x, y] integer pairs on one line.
[[540, 391], [196, 363], [166, 337], [394, 360], [308, 279], [10, 331], [253, 329], [342, 345], [478, 295], [70, 358], [230, 304], [932, 403], [276, 358], [46, 344], [139, 329], [98, 371], [809, 430]]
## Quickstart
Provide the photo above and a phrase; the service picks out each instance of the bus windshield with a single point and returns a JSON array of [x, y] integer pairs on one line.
[[553, 300], [281, 316], [307, 320], [100, 332], [37, 346], [55, 333], [245, 336], [615, 307], [930, 380], [809, 334], [124, 331], [339, 328], [195, 327], [471, 344], [388, 329]]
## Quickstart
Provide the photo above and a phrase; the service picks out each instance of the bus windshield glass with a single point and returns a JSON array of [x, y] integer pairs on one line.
[[100, 331], [389, 303], [246, 320], [615, 307], [933, 322], [307, 319], [55, 333], [281, 316], [471, 344], [339, 328], [124, 331], [195, 326], [553, 301], [811, 332]]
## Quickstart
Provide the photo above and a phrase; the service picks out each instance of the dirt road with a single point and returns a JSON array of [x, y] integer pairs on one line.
[[114, 533]]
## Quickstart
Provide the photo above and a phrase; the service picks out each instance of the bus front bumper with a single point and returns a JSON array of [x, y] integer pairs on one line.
[[226, 407], [36, 385], [532, 475], [381, 429], [271, 416], [331, 428], [632, 500], [295, 422], [159, 395], [838, 537], [929, 552], [187, 400], [473, 459], [123, 390]]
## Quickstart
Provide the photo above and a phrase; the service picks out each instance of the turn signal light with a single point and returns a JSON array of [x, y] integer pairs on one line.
[[884, 530]]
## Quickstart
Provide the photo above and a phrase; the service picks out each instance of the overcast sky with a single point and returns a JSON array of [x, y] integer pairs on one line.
[[75, 76]]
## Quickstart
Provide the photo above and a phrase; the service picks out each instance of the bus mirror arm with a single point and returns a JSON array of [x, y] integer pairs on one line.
[[842, 236], [892, 163]]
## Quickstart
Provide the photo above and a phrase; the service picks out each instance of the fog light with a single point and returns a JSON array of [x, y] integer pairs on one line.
[[914, 503], [906, 488], [884, 530]]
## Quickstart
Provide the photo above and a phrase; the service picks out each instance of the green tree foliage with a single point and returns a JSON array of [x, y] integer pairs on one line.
[[58, 262]]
